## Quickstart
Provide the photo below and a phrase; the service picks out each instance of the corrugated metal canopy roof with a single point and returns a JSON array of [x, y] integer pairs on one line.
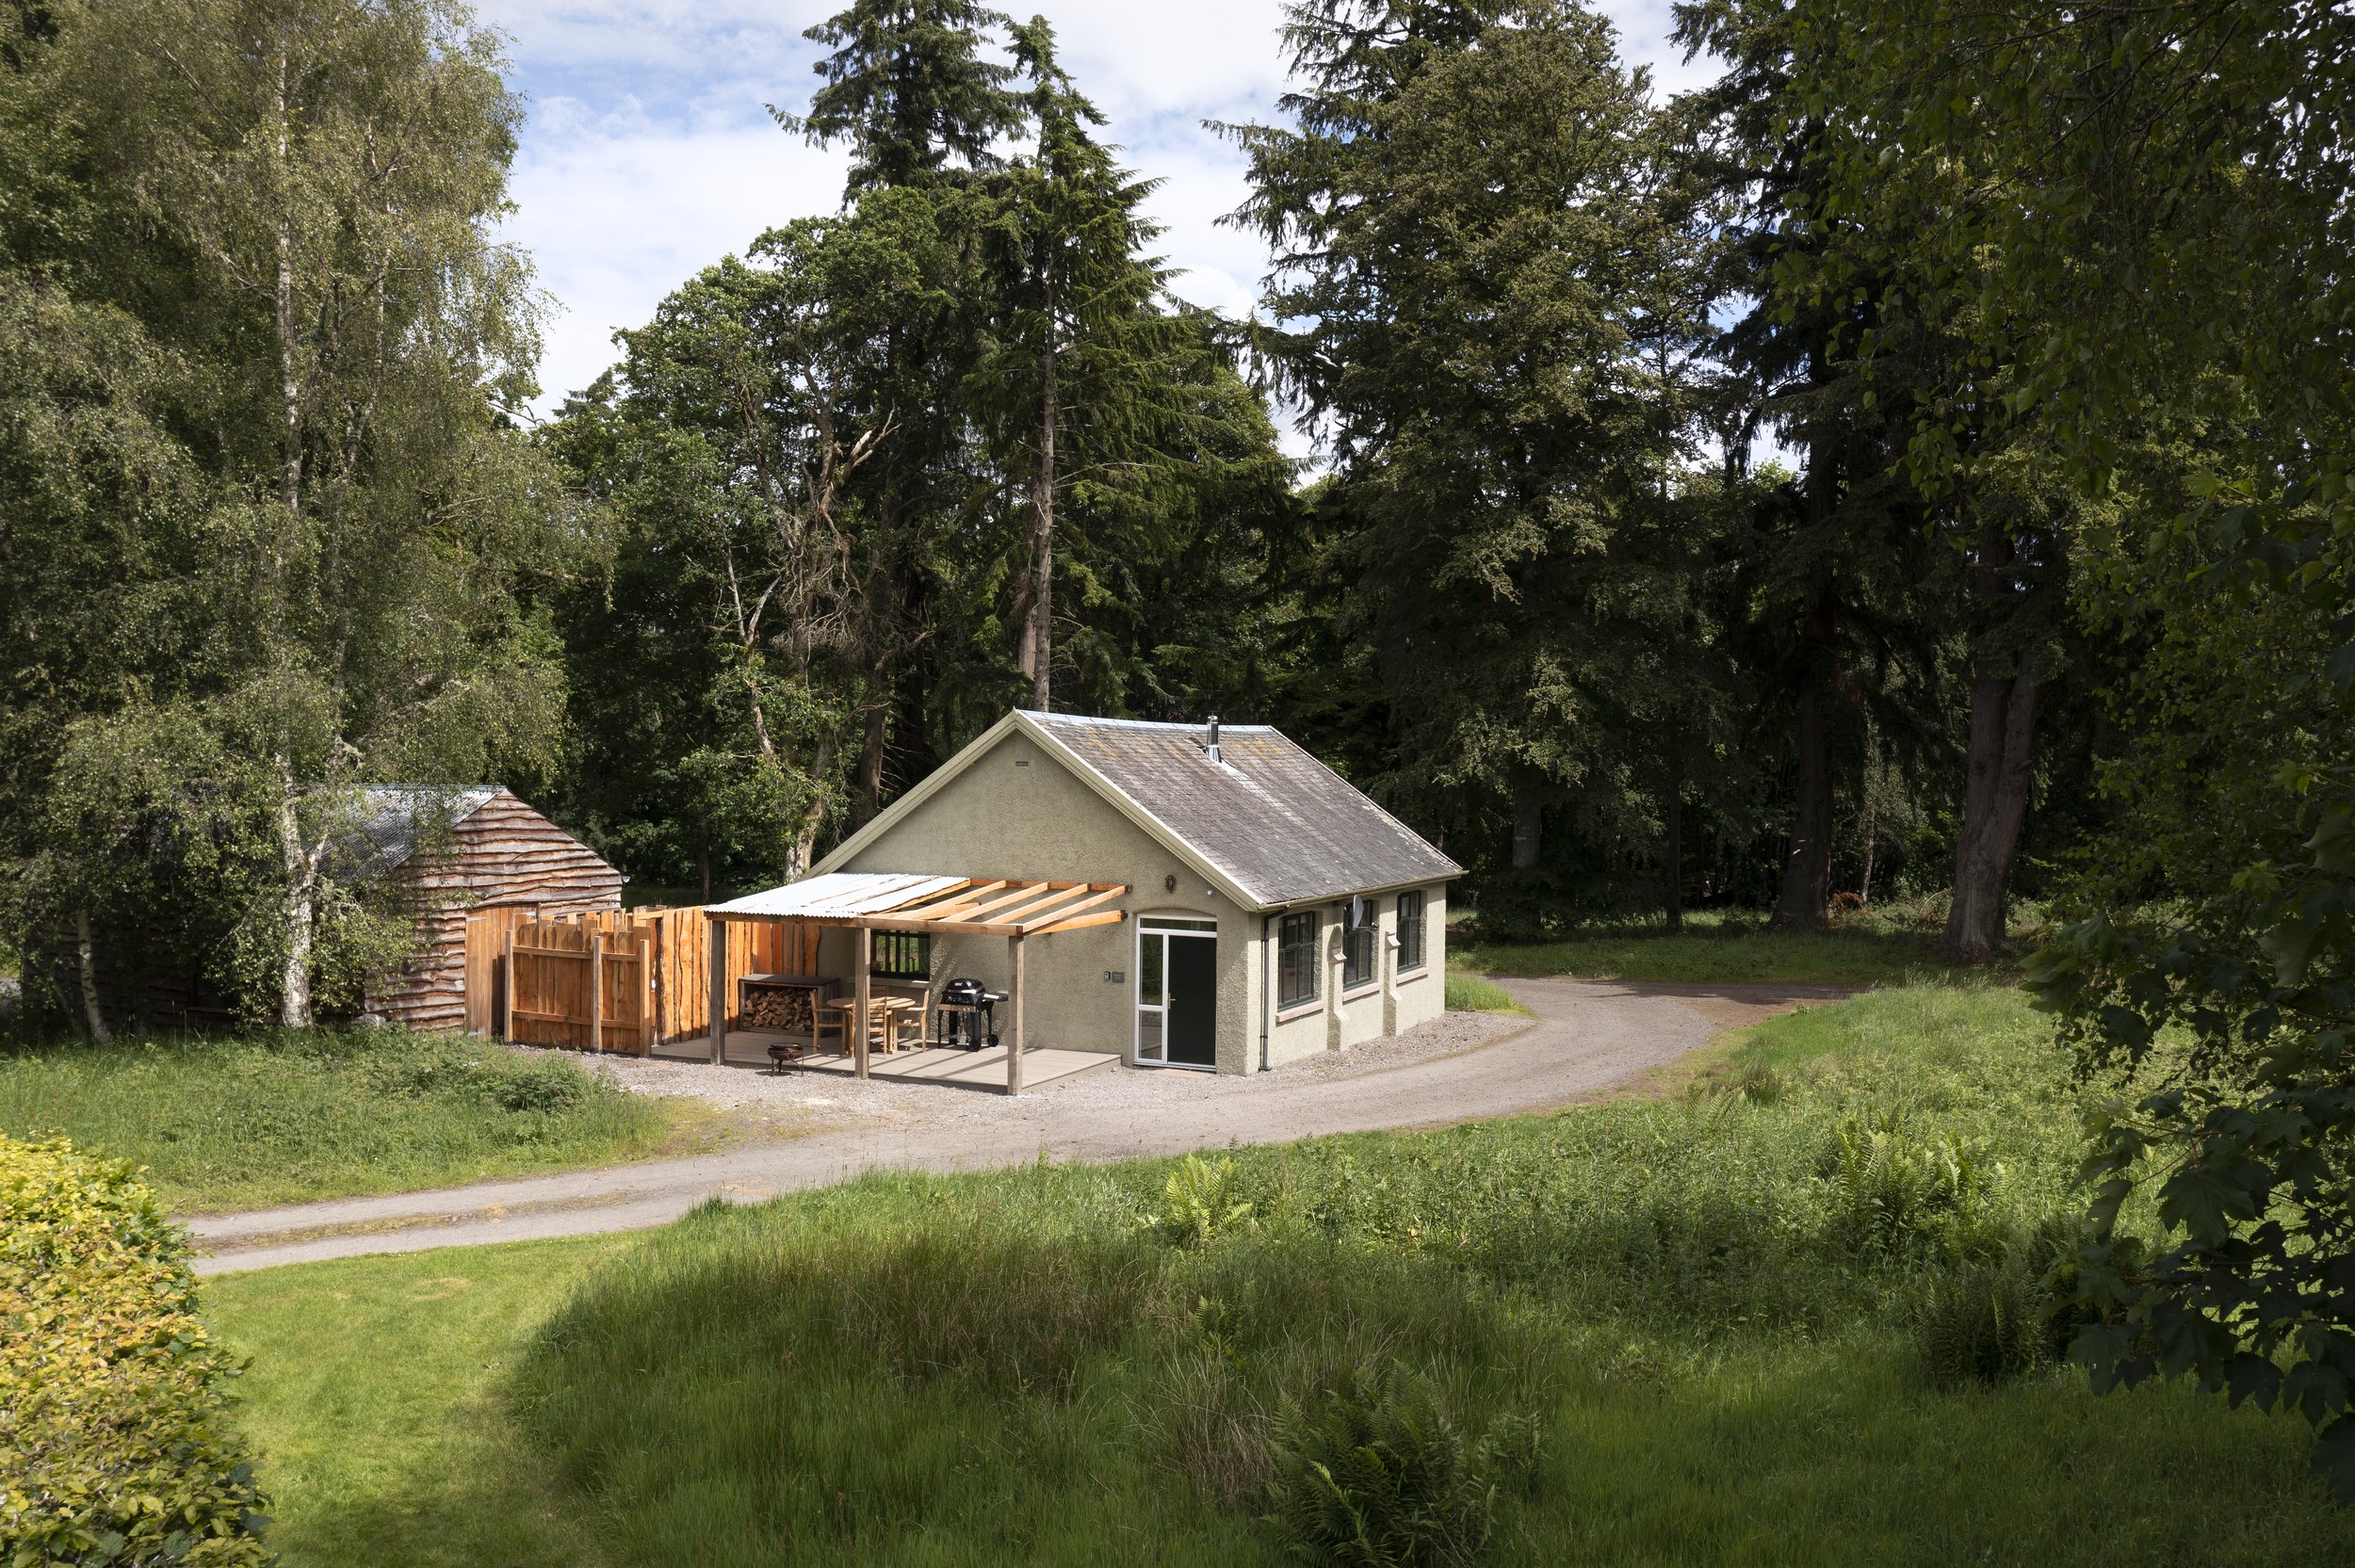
[[890, 900], [839, 893], [1276, 821]]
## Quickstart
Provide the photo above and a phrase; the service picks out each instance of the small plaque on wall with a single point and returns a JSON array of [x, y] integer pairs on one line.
[[1116, 976]]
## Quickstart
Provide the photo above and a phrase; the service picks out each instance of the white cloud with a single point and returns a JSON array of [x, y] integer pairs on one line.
[[649, 152]]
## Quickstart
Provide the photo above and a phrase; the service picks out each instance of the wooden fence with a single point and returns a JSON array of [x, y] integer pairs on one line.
[[615, 981]]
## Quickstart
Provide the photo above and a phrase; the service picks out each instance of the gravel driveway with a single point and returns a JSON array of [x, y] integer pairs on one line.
[[1588, 1037]]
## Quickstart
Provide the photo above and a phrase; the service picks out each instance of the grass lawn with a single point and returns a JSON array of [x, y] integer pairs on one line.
[[375, 1394], [1714, 949], [281, 1117], [1708, 1322]]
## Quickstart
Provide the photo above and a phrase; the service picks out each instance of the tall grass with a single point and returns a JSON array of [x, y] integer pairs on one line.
[[1472, 994], [224, 1123], [1716, 1360]]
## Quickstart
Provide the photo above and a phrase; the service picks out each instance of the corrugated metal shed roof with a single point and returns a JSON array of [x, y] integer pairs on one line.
[[1278, 823], [393, 818]]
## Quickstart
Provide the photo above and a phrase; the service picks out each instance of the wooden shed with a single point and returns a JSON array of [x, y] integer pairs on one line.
[[482, 852]]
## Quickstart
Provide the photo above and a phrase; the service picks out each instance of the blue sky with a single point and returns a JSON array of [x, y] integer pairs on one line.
[[649, 153]]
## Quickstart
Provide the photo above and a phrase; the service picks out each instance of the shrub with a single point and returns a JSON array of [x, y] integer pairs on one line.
[[1983, 1324], [544, 1084], [1373, 1476], [115, 1446]]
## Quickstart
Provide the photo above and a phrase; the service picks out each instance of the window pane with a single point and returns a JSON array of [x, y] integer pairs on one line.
[[903, 955], [1149, 969], [1296, 959], [1149, 1035], [1410, 927]]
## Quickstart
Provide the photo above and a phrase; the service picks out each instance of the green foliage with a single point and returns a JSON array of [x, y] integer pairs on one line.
[[844, 1366], [1199, 1204], [118, 1447], [277, 430], [2142, 268], [280, 1117], [1372, 1475], [1519, 590]]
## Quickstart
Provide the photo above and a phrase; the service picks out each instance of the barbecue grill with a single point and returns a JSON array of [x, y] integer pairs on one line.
[[968, 1015]]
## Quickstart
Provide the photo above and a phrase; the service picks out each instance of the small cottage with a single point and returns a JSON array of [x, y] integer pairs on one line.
[[478, 853], [1270, 909]]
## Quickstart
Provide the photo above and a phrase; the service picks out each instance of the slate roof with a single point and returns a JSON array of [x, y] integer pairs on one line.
[[1277, 823]]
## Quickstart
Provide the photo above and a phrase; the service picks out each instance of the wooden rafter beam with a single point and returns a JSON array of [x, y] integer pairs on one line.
[[1037, 907], [1042, 922], [1102, 918]]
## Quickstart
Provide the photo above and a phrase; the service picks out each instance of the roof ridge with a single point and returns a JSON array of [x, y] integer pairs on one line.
[[1196, 724]]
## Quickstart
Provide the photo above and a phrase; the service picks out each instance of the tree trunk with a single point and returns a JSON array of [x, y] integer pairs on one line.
[[1806, 871], [1806, 891], [870, 761], [1676, 852], [1039, 636], [294, 1007], [93, 1014], [813, 816], [1529, 822], [1995, 801], [283, 312], [1872, 813]]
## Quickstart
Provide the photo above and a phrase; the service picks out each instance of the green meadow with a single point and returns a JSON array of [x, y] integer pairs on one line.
[[1739, 1327]]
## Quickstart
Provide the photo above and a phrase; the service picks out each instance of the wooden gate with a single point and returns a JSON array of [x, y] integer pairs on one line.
[[487, 930], [576, 983], [652, 979]]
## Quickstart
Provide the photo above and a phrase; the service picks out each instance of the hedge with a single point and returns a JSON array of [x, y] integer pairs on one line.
[[115, 1443]]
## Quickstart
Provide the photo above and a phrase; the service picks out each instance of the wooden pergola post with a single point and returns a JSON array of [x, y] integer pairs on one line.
[[719, 991], [1013, 1011], [507, 997], [859, 989], [596, 991]]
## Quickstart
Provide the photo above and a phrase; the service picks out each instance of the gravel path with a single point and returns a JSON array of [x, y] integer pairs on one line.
[[1588, 1036]]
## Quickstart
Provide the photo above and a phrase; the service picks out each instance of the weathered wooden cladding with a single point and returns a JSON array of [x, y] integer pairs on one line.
[[503, 861]]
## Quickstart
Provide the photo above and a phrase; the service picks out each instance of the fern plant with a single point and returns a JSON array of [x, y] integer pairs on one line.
[[1984, 1324], [1200, 1203], [1375, 1476], [1893, 1192]]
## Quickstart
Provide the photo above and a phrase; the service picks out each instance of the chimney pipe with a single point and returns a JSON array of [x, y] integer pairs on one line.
[[1213, 749]]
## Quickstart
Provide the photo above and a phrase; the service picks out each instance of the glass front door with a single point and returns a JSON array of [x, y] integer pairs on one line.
[[1178, 993]]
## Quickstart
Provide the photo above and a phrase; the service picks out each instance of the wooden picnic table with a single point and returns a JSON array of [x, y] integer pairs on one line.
[[890, 1012]]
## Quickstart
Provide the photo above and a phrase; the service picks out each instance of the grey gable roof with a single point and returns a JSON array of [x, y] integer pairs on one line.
[[1278, 823]]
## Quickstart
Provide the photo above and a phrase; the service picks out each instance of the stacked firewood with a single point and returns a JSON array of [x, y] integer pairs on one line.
[[790, 1010]]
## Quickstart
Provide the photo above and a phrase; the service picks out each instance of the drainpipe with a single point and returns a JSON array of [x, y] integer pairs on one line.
[[1267, 985]]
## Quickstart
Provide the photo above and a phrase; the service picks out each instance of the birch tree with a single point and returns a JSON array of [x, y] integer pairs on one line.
[[328, 171]]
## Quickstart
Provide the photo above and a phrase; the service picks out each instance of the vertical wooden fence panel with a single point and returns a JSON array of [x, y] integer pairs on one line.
[[618, 981]]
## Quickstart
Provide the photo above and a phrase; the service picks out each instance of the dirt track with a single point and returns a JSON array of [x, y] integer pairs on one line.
[[1589, 1036]]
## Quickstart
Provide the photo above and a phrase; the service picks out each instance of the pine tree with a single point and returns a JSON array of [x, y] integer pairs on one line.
[[1469, 218]]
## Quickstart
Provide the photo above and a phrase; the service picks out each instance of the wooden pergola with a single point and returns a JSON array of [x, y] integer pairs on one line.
[[870, 901]]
